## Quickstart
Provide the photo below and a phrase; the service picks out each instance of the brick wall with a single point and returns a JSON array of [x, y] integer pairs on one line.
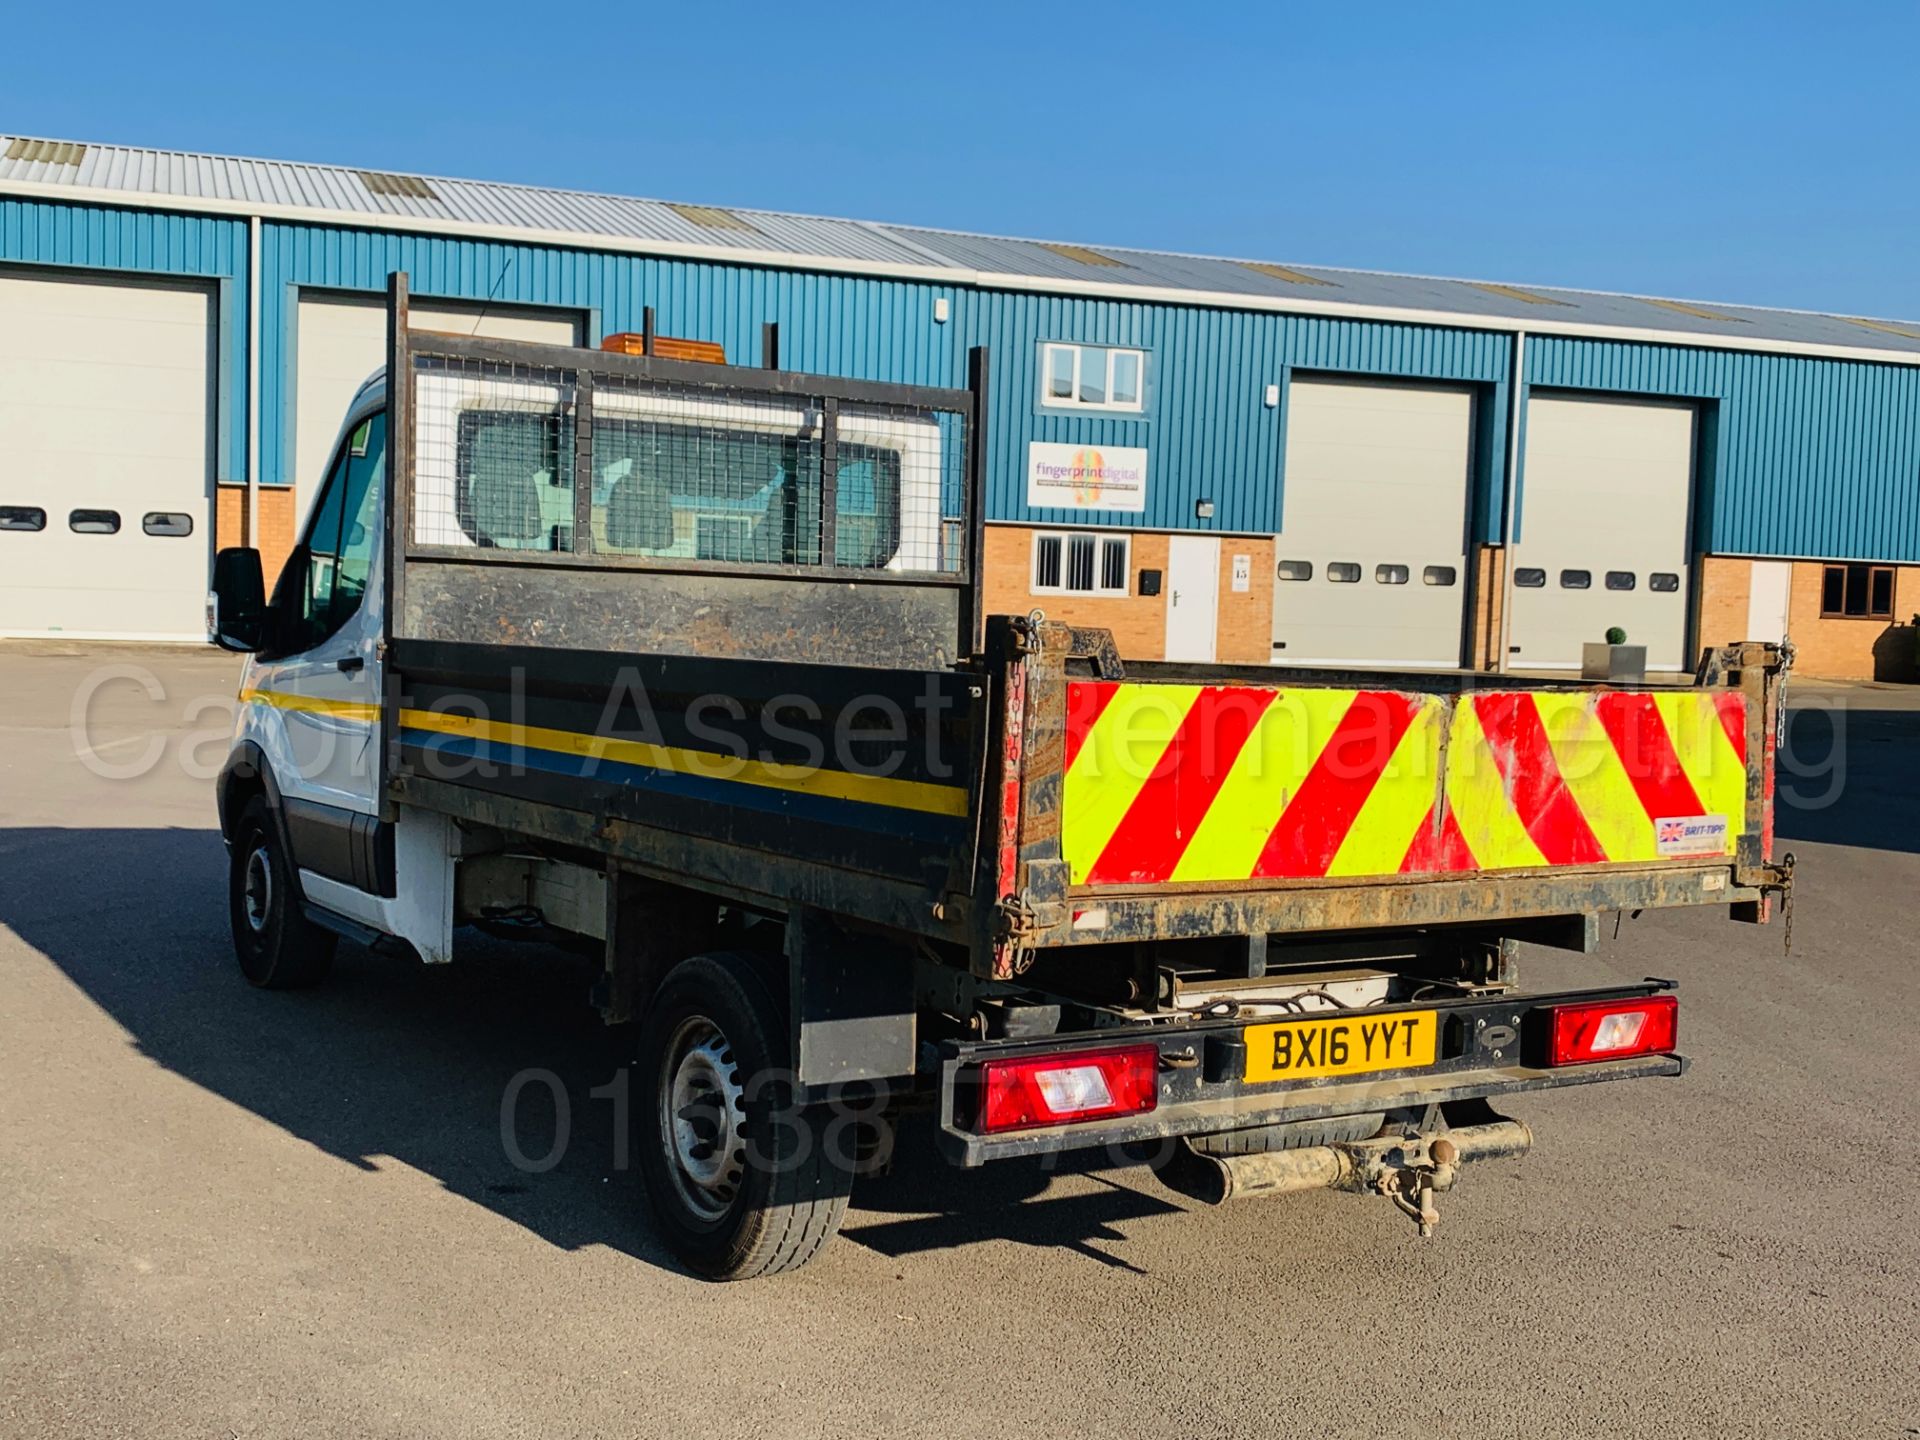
[[1853, 649], [276, 525], [276, 529], [1827, 648], [1724, 591], [1489, 599], [1246, 619], [229, 516], [1139, 622]]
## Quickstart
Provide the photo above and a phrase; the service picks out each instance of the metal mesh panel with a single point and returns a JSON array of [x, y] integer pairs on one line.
[[901, 472], [681, 473], [721, 472], [493, 456], [716, 473]]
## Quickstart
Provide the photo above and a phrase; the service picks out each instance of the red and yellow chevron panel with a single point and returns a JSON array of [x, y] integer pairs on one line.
[[1176, 783]]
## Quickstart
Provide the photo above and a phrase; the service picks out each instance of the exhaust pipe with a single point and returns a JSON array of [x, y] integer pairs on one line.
[[1359, 1165]]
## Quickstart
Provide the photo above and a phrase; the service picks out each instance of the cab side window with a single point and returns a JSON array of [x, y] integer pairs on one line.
[[325, 581], [359, 516]]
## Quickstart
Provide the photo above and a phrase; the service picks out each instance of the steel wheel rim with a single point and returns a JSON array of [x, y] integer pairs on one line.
[[256, 892], [702, 1118]]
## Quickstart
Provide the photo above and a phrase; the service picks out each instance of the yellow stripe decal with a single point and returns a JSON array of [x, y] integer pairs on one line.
[[795, 779], [313, 704], [1595, 776], [1707, 756], [1265, 775], [1401, 798], [1115, 761], [706, 764], [1477, 794]]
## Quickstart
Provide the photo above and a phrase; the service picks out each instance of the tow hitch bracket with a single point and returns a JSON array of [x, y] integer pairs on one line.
[[1409, 1170]]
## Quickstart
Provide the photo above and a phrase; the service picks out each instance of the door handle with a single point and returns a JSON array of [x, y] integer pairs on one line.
[[349, 663]]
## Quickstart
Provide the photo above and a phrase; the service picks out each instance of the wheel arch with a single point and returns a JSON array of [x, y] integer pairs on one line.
[[246, 775]]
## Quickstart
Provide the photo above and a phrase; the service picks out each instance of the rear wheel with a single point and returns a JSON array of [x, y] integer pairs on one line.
[[743, 1182], [277, 946]]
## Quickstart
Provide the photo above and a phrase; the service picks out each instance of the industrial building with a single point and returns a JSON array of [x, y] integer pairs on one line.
[[1218, 459]]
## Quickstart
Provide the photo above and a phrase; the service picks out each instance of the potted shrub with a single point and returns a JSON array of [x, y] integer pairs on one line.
[[1613, 659]]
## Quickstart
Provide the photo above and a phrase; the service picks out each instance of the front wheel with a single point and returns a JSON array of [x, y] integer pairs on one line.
[[743, 1182], [277, 946]]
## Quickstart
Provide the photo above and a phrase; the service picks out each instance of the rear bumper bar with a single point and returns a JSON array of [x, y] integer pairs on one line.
[[1485, 1051]]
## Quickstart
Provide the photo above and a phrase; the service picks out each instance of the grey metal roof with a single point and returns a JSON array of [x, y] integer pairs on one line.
[[1512, 300], [180, 179]]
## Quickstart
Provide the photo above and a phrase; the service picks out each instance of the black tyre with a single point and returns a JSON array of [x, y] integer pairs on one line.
[[743, 1183], [278, 947]]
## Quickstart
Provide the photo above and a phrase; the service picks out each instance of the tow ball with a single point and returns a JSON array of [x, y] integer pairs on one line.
[[1412, 1187], [1409, 1170]]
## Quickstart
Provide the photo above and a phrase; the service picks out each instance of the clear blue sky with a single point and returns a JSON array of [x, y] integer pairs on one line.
[[1759, 152]]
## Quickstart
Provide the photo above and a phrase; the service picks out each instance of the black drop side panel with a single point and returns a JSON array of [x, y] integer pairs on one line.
[[866, 770]]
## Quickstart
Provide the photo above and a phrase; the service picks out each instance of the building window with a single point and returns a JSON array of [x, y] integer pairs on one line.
[[1528, 578], [1080, 563], [1092, 377], [94, 522], [1857, 592], [22, 517], [1390, 574], [1294, 570], [1663, 582], [1439, 575], [166, 522], [1620, 580], [1343, 572], [1576, 579]]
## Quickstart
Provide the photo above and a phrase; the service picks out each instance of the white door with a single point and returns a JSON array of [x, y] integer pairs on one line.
[[1371, 559], [1604, 530], [1193, 596], [321, 692], [343, 339], [1768, 601], [106, 457]]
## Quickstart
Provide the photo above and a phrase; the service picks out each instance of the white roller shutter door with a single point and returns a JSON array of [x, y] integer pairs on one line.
[[343, 340], [1605, 530], [107, 434], [1372, 553]]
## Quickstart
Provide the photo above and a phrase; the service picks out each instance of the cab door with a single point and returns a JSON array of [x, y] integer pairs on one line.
[[321, 684]]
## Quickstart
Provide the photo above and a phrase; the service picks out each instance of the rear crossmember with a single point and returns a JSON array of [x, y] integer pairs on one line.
[[1484, 1046]]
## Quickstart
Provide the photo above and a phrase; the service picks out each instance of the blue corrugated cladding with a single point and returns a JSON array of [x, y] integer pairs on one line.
[[834, 325], [1807, 457], [96, 237], [1801, 456], [1207, 429]]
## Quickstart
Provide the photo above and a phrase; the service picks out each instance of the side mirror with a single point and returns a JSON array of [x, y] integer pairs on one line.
[[239, 600]]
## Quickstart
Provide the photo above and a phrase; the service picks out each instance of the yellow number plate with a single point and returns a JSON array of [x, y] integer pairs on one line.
[[1350, 1044]]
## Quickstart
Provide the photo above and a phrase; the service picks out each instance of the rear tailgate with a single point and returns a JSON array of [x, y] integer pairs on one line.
[[1169, 783], [1160, 808]]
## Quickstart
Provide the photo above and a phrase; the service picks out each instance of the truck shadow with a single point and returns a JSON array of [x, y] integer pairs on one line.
[[394, 1062], [924, 1204], [1850, 777]]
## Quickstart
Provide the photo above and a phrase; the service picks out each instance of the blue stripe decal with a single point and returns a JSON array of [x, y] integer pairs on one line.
[[831, 810]]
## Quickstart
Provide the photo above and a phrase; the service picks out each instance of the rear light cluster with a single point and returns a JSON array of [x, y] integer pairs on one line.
[[1613, 1029], [1061, 1089]]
